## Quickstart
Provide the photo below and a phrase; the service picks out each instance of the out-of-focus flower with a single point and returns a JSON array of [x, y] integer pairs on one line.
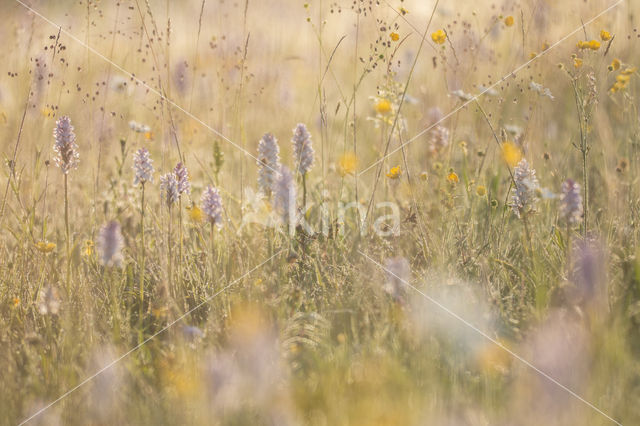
[[439, 36], [48, 301], [398, 273], [268, 163], [525, 198], [302, 149], [541, 90], [195, 213], [508, 21], [571, 202], [394, 172], [605, 35], [438, 139], [182, 176], [169, 188], [143, 167], [592, 45], [65, 148], [285, 196], [394, 36], [481, 190], [511, 153], [212, 205], [452, 177], [383, 106], [45, 246], [615, 65], [110, 244], [347, 164]]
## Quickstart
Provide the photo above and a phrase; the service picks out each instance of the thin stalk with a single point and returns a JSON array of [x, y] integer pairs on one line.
[[142, 259], [67, 230]]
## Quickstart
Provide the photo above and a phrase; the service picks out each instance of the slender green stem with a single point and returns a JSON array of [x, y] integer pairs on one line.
[[142, 259], [67, 231]]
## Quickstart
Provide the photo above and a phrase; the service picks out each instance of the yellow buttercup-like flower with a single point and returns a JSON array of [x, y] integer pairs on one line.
[[511, 153], [577, 62], [508, 21], [45, 246], [605, 35], [383, 106], [615, 65], [481, 191], [439, 37], [394, 36], [347, 164], [394, 173], [453, 177]]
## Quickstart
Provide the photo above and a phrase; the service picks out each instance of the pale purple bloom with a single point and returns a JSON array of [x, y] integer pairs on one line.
[[142, 166], [285, 196], [48, 301], [110, 244], [169, 188], [182, 176], [526, 186], [398, 273], [571, 202], [302, 149], [212, 205], [268, 163], [67, 156]]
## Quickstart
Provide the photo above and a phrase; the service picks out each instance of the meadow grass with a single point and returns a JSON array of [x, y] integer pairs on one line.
[[282, 212]]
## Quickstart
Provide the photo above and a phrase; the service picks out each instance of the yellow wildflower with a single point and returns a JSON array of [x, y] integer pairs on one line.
[[453, 177], [87, 250], [439, 36], [481, 191], [508, 21], [605, 35], [615, 65], [15, 302], [394, 173], [383, 106], [347, 164], [577, 62], [47, 112], [394, 36], [628, 71], [511, 153], [195, 213], [424, 176], [594, 45], [148, 135], [45, 246], [532, 55]]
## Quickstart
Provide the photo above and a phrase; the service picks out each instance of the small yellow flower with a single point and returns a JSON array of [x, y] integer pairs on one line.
[[594, 45], [532, 55], [439, 37], [394, 36], [15, 302], [453, 177], [403, 11], [629, 71], [148, 135], [623, 78], [347, 164], [511, 153], [45, 246], [47, 112], [577, 62], [394, 173], [383, 106], [424, 176], [605, 35], [481, 191], [87, 250], [615, 65], [195, 214], [508, 21]]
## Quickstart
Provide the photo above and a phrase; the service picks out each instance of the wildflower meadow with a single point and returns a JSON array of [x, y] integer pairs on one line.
[[347, 212]]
